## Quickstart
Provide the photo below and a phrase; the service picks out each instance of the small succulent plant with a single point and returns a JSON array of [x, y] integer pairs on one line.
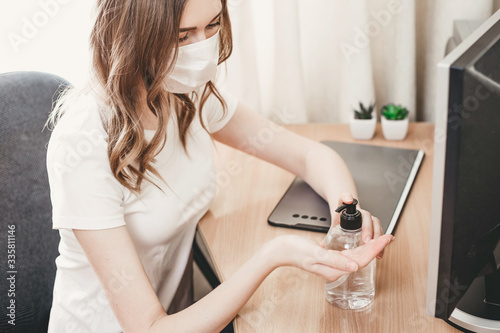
[[364, 113], [394, 112]]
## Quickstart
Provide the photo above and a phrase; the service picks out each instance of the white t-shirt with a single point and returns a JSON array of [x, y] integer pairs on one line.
[[86, 195]]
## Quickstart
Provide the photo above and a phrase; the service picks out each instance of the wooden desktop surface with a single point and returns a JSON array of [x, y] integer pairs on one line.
[[291, 300]]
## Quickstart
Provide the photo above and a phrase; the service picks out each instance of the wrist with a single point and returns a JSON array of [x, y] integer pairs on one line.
[[274, 253]]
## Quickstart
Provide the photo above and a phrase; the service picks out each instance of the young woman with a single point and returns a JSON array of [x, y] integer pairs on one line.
[[133, 150]]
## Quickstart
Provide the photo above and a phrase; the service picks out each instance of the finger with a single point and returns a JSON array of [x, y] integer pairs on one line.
[[381, 253], [332, 259], [377, 227], [366, 253], [377, 232], [346, 197], [367, 226]]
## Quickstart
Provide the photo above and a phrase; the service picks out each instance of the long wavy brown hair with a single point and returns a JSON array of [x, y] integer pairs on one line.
[[134, 46]]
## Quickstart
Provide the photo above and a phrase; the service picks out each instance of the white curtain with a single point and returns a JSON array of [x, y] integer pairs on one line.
[[46, 35], [313, 60]]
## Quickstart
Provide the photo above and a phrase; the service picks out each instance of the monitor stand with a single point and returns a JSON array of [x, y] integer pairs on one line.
[[479, 308]]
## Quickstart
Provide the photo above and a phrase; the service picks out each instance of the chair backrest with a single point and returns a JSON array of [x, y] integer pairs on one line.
[[26, 99]]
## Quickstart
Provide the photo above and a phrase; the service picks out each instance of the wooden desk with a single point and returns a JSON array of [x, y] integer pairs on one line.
[[291, 300]]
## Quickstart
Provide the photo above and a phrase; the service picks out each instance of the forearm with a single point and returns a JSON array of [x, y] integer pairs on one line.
[[219, 307], [326, 172], [215, 311], [317, 164]]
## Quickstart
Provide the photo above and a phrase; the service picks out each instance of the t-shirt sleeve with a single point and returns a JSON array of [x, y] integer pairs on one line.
[[83, 190], [214, 116]]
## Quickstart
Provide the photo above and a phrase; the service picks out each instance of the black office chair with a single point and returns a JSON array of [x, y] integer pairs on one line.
[[25, 101]]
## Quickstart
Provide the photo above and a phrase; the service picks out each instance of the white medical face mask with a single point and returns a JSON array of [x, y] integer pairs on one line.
[[196, 65]]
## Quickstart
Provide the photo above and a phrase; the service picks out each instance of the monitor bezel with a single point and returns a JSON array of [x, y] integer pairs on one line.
[[441, 140]]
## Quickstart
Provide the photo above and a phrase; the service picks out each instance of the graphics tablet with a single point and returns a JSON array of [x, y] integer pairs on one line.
[[383, 178]]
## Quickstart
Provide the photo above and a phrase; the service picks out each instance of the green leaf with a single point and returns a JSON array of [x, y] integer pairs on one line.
[[362, 108], [364, 113], [393, 112]]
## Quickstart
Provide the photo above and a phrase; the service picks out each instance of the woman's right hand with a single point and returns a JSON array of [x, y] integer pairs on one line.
[[303, 253]]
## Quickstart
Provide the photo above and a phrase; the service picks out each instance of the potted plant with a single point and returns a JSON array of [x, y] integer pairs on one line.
[[363, 123], [394, 121]]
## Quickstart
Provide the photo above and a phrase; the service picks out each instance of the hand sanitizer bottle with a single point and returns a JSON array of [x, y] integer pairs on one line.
[[355, 290]]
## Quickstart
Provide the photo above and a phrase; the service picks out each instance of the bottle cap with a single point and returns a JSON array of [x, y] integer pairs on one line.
[[350, 217]]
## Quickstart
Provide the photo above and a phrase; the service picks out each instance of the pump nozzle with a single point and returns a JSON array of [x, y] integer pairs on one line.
[[351, 208], [350, 218]]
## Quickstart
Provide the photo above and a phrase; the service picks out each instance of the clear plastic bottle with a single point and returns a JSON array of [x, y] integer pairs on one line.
[[355, 290]]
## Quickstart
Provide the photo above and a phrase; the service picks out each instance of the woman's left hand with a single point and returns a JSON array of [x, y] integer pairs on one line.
[[371, 228]]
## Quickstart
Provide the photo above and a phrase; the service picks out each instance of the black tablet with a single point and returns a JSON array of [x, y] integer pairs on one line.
[[383, 177]]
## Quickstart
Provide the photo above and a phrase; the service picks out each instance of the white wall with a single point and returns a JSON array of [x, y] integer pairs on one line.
[[46, 35]]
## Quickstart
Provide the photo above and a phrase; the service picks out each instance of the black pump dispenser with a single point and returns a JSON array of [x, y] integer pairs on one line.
[[350, 218]]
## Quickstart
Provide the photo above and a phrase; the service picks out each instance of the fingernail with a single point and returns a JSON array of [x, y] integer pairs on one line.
[[352, 266], [393, 238]]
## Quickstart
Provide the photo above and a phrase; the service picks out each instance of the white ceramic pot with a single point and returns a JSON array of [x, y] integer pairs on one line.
[[394, 130], [363, 129]]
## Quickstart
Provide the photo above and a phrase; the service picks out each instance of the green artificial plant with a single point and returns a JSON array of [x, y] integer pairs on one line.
[[364, 113], [394, 112]]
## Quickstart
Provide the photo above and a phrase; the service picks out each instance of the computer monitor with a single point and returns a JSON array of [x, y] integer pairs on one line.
[[463, 285]]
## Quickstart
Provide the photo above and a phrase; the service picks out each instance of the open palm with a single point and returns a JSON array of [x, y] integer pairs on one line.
[[330, 264]]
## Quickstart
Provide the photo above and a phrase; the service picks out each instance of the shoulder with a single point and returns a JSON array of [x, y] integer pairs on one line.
[[80, 128], [81, 119], [78, 137]]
